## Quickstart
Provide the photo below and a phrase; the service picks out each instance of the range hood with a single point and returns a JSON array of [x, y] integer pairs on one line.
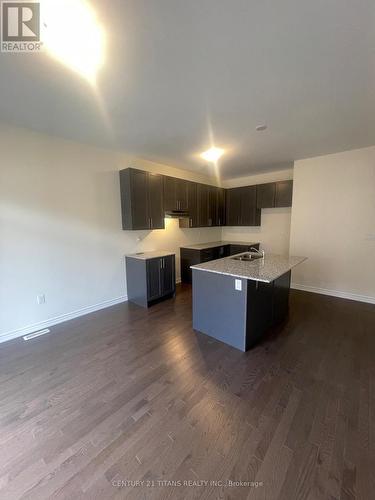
[[176, 214]]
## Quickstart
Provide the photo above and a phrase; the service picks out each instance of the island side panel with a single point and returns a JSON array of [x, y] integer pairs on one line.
[[259, 312], [219, 310], [281, 298], [136, 281]]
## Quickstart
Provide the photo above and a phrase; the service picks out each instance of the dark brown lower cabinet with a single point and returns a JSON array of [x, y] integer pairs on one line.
[[190, 256], [234, 249], [150, 280]]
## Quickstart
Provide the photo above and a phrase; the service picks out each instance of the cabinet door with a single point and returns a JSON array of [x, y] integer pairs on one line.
[[207, 254], [220, 252], [182, 194], [168, 281], [170, 193], [284, 194], [155, 197], [248, 206], [213, 206], [139, 199], [233, 207], [203, 217], [221, 207], [266, 195], [235, 249], [192, 204], [154, 268]]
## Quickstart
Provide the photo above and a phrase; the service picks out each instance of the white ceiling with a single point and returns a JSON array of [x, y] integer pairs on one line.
[[176, 68]]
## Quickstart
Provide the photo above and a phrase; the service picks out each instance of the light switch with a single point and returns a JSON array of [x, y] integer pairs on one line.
[[238, 285]]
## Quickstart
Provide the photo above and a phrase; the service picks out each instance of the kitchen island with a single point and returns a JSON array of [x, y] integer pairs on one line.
[[237, 301]]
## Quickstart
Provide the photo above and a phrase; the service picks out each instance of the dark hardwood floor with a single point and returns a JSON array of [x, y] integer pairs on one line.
[[128, 394]]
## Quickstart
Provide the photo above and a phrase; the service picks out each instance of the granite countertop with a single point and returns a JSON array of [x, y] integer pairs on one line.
[[268, 269], [149, 255], [213, 244]]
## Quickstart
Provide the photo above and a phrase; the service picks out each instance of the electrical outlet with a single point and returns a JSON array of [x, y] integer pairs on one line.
[[238, 285], [41, 299]]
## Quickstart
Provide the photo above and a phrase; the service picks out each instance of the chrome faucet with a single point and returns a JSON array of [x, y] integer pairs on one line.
[[258, 251]]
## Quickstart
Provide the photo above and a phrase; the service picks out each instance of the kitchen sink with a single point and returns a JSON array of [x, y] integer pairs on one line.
[[247, 256]]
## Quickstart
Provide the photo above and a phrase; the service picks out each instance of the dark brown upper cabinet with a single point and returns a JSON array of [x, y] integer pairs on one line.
[[141, 199], [284, 194], [241, 207], [213, 214], [192, 207], [274, 194], [156, 201], [233, 207], [216, 206], [220, 207], [266, 195], [203, 198], [250, 215], [175, 194], [145, 197]]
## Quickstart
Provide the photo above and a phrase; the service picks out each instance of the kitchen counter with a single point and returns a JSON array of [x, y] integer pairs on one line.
[[266, 270], [149, 255], [214, 244]]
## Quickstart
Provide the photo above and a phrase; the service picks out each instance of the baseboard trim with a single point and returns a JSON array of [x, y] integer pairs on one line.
[[334, 293], [20, 332]]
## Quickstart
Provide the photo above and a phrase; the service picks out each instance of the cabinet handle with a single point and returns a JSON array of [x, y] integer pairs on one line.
[[150, 222], [219, 221], [161, 263], [191, 222]]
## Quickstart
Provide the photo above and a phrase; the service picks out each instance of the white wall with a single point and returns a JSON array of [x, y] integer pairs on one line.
[[60, 229], [274, 232], [333, 224]]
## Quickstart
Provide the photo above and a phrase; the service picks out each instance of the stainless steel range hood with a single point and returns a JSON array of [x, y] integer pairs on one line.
[[176, 214]]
